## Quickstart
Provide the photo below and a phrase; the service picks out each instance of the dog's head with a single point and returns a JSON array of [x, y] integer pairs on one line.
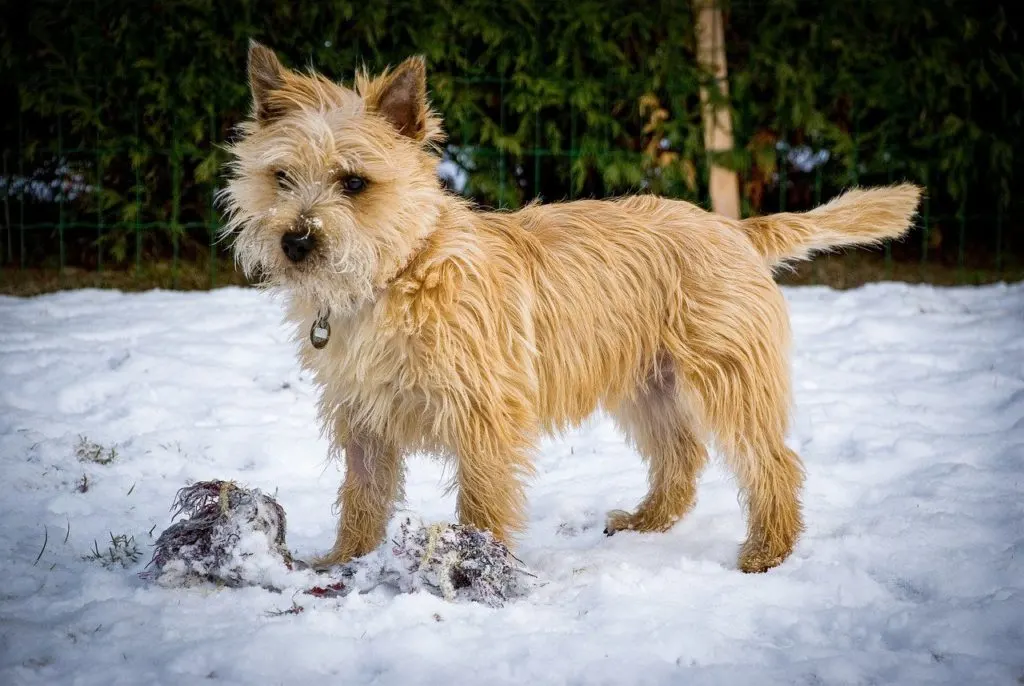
[[332, 189]]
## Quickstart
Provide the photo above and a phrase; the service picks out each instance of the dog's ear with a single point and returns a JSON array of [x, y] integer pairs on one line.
[[266, 74], [401, 98]]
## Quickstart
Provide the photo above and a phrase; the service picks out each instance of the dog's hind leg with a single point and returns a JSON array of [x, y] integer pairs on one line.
[[742, 387], [660, 426], [772, 487]]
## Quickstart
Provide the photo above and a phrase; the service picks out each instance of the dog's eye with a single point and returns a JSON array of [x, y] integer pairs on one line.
[[281, 176], [354, 184]]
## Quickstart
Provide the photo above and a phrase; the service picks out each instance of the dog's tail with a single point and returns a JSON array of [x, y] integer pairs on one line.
[[858, 217]]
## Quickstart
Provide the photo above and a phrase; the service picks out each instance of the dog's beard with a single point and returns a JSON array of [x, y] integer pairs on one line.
[[339, 275]]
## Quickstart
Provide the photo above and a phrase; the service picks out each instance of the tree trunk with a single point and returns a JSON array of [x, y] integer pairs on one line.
[[724, 183]]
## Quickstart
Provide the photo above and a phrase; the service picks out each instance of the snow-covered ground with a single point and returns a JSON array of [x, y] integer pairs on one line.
[[910, 417]]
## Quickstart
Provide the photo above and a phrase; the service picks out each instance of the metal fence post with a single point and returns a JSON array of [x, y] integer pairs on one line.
[[99, 205], [175, 201], [7, 215], [573, 152], [501, 146], [999, 237], [60, 191], [960, 253], [138, 195], [536, 153], [214, 223], [888, 244], [21, 191], [926, 224]]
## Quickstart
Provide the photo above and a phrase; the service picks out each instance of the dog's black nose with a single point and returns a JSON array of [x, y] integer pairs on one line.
[[297, 244]]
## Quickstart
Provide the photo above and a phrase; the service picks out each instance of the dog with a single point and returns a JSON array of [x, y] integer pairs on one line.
[[431, 325]]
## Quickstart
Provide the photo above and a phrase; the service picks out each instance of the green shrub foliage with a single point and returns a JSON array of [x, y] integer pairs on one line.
[[542, 98]]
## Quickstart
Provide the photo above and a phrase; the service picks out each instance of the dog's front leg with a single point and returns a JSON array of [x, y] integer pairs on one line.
[[493, 459], [374, 482]]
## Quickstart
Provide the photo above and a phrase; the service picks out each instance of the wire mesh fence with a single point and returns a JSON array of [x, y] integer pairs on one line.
[[54, 217], [50, 223]]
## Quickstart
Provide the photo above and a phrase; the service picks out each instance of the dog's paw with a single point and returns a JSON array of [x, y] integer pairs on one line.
[[618, 520], [759, 559], [644, 519], [329, 561]]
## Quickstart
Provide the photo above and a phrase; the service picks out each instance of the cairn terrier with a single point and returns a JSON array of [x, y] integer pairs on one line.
[[433, 326]]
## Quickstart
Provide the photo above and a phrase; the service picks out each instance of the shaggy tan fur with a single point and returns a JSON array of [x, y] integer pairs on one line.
[[469, 334]]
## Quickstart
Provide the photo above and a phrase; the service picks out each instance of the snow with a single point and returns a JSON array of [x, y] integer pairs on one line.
[[909, 415]]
